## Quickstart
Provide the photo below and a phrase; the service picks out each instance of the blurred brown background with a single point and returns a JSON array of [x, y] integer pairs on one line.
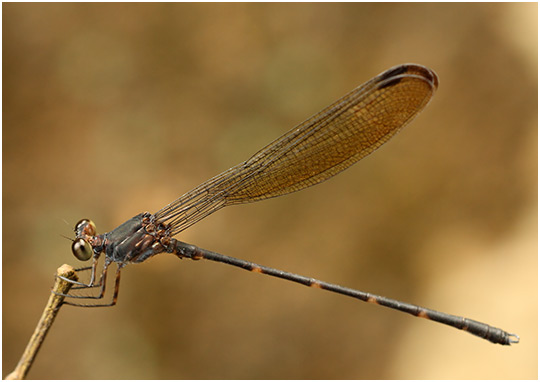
[[110, 110]]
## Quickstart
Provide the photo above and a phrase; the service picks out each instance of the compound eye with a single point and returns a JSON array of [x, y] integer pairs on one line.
[[85, 226], [81, 249]]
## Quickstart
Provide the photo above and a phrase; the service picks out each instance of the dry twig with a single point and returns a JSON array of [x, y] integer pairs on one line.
[[47, 318]]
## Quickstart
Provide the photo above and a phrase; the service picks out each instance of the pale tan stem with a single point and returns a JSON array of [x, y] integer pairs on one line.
[[47, 318]]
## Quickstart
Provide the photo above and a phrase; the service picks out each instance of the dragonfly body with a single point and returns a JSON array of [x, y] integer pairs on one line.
[[312, 152], [132, 242], [128, 243]]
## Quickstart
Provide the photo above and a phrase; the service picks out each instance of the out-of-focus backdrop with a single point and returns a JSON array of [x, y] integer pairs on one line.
[[114, 109]]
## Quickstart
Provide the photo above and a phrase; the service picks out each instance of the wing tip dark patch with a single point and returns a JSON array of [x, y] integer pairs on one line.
[[394, 76], [394, 72], [389, 83]]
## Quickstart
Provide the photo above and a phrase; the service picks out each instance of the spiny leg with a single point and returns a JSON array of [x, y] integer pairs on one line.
[[102, 284], [90, 284], [115, 293]]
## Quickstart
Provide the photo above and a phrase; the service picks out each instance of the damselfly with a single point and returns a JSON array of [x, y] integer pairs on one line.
[[317, 149]]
